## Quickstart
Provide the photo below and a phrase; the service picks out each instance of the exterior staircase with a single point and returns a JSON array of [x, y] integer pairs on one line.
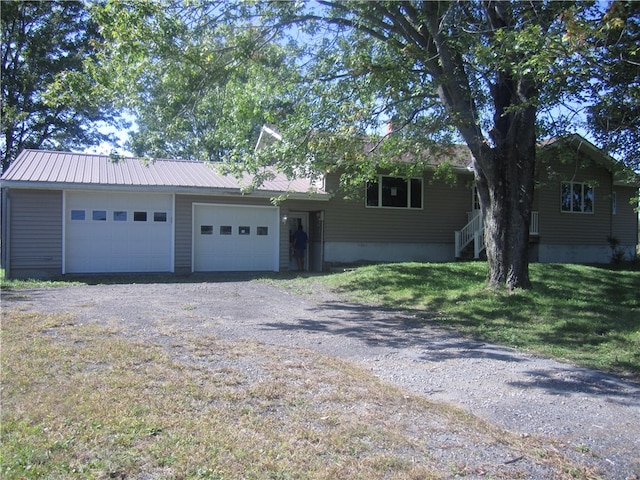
[[472, 235]]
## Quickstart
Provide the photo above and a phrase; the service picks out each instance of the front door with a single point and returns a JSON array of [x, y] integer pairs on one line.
[[294, 220]]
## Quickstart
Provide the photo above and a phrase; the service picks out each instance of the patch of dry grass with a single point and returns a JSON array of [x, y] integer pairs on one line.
[[85, 401]]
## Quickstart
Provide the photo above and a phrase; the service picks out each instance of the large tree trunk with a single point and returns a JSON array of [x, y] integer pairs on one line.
[[505, 182], [506, 209]]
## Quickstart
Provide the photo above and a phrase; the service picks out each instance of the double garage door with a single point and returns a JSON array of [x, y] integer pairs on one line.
[[235, 238], [110, 232]]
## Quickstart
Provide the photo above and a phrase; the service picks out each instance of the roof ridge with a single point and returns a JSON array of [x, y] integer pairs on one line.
[[123, 157]]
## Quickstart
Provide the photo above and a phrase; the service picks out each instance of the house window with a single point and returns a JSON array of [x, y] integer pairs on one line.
[[77, 214], [119, 216], [206, 229], [577, 197], [139, 216], [99, 215], [159, 216], [395, 192], [244, 230], [262, 231], [475, 201], [225, 230]]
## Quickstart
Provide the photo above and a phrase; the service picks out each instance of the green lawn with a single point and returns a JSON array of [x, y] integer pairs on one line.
[[584, 314], [90, 401]]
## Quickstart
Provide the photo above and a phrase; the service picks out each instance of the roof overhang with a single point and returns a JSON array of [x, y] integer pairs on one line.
[[212, 191]]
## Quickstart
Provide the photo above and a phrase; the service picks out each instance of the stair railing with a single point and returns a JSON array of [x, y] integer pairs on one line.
[[474, 232], [469, 233]]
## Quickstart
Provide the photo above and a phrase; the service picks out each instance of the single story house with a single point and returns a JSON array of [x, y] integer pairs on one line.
[[77, 213]]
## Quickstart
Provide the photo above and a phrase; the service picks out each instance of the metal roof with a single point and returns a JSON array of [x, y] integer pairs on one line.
[[39, 168]]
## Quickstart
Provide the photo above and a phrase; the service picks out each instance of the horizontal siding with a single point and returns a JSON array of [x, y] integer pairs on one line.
[[625, 221], [35, 232], [184, 210], [557, 227], [444, 211]]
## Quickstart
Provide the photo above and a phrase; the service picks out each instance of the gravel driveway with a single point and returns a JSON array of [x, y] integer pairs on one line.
[[595, 416]]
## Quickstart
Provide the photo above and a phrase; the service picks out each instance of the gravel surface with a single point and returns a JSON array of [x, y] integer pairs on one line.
[[594, 417]]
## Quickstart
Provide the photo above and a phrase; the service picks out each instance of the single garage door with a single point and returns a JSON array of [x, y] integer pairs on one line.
[[235, 238], [118, 232]]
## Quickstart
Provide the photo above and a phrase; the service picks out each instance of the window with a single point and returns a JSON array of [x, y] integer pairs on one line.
[[77, 214], [119, 216], [159, 216], [475, 199], [262, 231], [225, 230], [395, 192], [577, 197], [244, 230], [206, 229], [100, 215], [139, 216]]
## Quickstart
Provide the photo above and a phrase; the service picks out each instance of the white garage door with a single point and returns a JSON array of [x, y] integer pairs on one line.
[[235, 238], [118, 232]]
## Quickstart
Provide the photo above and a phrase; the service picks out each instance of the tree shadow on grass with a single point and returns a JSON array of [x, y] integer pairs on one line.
[[571, 307], [384, 330], [391, 329], [570, 381]]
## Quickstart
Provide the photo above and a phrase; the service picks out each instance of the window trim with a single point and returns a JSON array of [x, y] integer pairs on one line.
[[78, 215], [99, 215], [409, 193], [138, 216], [582, 196]]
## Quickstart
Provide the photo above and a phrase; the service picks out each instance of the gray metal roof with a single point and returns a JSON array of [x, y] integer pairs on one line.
[[39, 168]]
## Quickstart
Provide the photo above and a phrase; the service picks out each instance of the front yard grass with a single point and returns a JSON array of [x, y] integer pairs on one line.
[[587, 315], [87, 401], [90, 401]]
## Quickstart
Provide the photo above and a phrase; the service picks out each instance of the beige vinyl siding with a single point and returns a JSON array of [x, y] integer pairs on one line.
[[183, 233], [444, 211], [567, 228], [184, 220], [35, 233], [184, 227], [625, 221]]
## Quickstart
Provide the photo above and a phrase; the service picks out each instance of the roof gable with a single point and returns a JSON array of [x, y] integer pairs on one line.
[[622, 174]]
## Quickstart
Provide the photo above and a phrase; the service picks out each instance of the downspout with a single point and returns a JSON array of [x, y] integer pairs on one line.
[[5, 233], [321, 240], [611, 207]]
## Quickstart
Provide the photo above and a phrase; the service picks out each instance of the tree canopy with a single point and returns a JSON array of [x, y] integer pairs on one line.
[[614, 115], [202, 77], [48, 100]]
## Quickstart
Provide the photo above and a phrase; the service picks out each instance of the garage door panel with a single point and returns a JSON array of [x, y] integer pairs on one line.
[[118, 243], [226, 238]]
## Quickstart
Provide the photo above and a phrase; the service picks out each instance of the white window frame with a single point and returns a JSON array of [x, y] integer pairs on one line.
[[408, 181], [583, 185]]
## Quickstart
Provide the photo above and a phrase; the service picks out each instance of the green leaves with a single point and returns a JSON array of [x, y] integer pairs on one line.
[[48, 100]]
